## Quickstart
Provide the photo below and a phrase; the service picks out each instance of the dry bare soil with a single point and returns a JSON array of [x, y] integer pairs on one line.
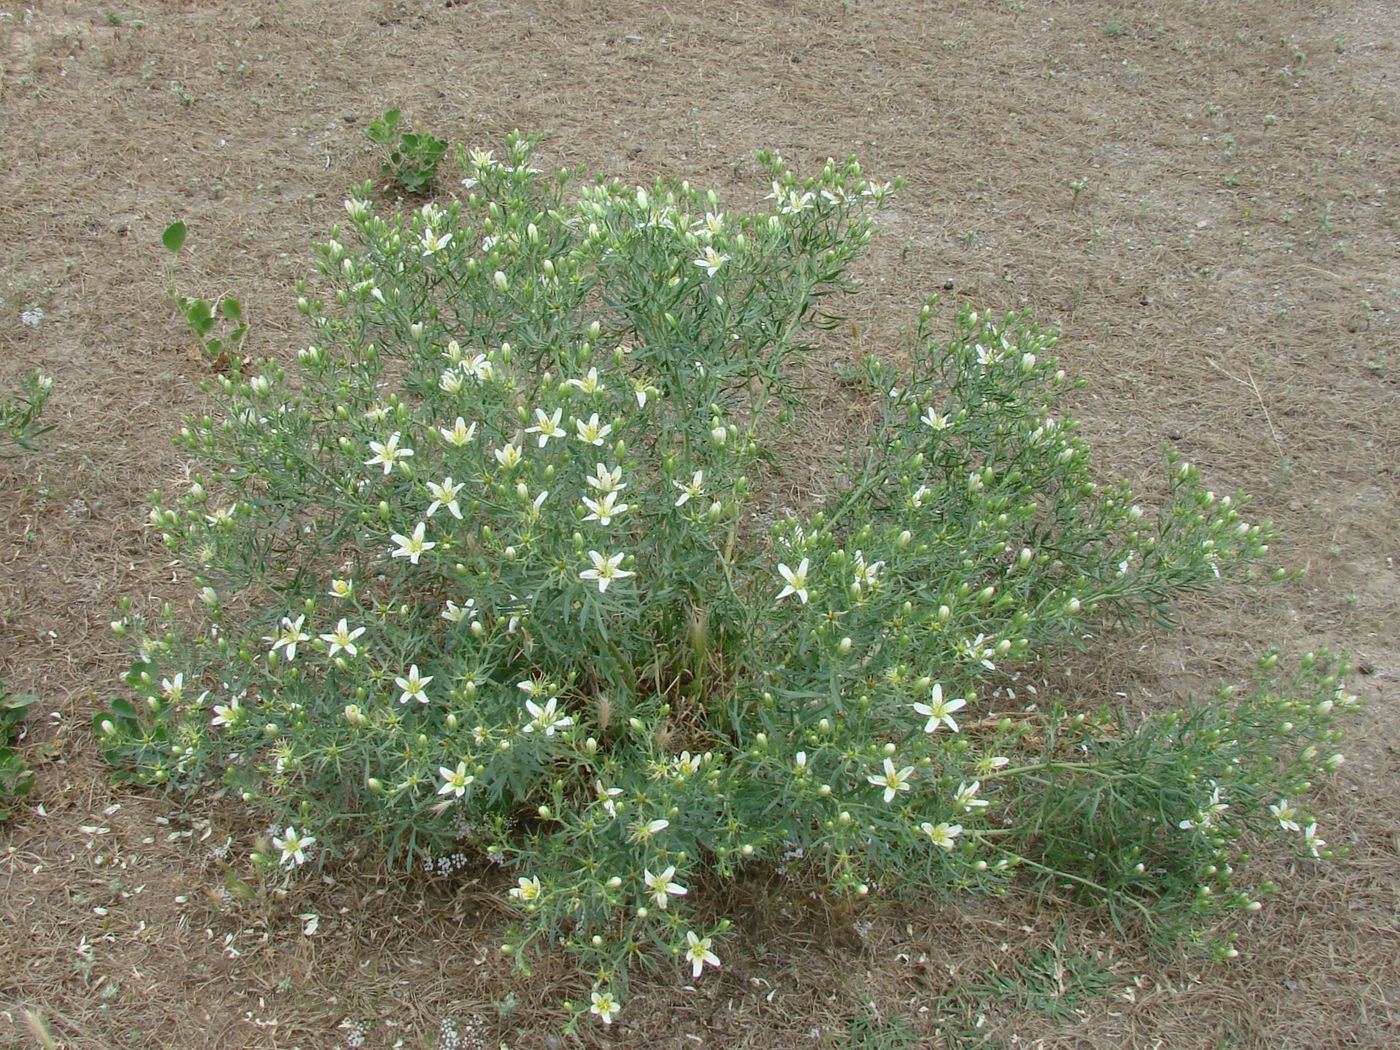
[[1201, 196]]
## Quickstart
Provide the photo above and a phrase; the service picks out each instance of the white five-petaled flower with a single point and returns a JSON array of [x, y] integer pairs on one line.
[[412, 547], [1287, 815], [455, 781], [644, 831], [932, 419], [454, 613], [940, 711], [445, 495], [892, 780], [942, 834], [415, 686], [605, 570], [459, 433], [547, 426], [661, 887], [547, 718], [227, 714], [433, 243], [692, 491], [866, 573], [342, 639], [605, 480], [508, 457], [526, 890], [796, 581], [479, 368], [605, 509], [965, 798], [1312, 842], [697, 953], [173, 689], [606, 796], [388, 453], [711, 260], [342, 588], [292, 635], [604, 1006], [1205, 817], [920, 494], [293, 846], [592, 432], [589, 384]]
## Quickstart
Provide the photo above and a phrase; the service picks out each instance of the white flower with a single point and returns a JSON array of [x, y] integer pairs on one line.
[[414, 686], [459, 433], [605, 570], [865, 574], [941, 835], [1287, 815], [592, 432], [692, 491], [605, 509], [933, 419], [698, 953], [893, 782], [546, 718], [606, 796], [1205, 818], [445, 495], [450, 382], [454, 613], [412, 547], [644, 831], [227, 714], [589, 384], [965, 798], [940, 711], [605, 1006], [292, 635], [173, 690], [920, 494], [455, 781], [479, 368], [342, 639], [293, 846], [605, 480], [710, 261], [342, 588], [987, 764], [548, 426], [389, 453], [433, 243], [508, 457], [661, 887], [526, 890], [1311, 842], [796, 581]]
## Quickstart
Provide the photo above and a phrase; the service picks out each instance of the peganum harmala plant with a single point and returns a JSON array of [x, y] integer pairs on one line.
[[495, 566]]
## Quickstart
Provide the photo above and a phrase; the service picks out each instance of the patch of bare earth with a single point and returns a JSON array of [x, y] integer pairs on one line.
[[1200, 196]]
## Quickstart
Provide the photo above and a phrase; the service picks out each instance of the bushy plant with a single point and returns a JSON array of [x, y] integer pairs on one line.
[[19, 416], [411, 158], [496, 566]]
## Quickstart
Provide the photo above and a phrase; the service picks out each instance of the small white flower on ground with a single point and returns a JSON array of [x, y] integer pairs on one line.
[[547, 426], [342, 588], [526, 890], [589, 384], [942, 834], [292, 635], [891, 780], [547, 718], [933, 420], [644, 831], [508, 457], [412, 547], [661, 887], [173, 689], [342, 639], [692, 491], [605, 509], [445, 495], [939, 711], [227, 714], [454, 613], [432, 244], [605, 480], [293, 846], [796, 582], [592, 432], [605, 570], [965, 798], [605, 1006], [710, 261], [459, 433], [389, 454], [1312, 842], [866, 573], [479, 368], [1287, 815], [414, 686], [698, 952], [455, 781]]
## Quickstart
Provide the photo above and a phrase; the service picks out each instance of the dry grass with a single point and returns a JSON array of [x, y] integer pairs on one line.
[[1202, 197]]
